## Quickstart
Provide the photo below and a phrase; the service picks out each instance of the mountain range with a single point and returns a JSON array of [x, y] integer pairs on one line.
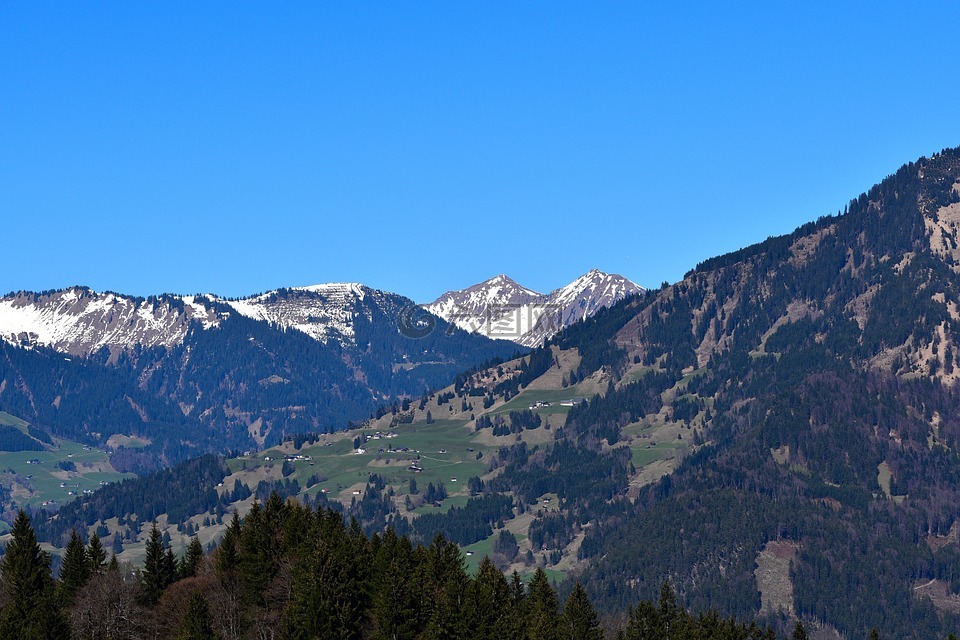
[[205, 373], [776, 435], [502, 309]]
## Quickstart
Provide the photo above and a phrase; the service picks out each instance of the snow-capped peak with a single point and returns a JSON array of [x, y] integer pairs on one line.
[[322, 311], [501, 308], [81, 321]]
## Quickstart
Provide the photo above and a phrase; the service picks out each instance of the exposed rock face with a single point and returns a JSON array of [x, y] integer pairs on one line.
[[502, 309]]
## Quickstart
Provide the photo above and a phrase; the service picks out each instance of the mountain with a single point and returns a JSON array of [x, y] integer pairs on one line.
[[776, 435], [469, 308], [502, 309], [189, 374], [80, 321], [324, 312], [815, 376]]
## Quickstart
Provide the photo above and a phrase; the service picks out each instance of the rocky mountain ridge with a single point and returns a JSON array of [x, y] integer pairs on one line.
[[500, 308]]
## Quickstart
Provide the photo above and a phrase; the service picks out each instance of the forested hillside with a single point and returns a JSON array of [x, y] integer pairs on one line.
[[819, 370], [290, 572], [240, 383], [776, 436]]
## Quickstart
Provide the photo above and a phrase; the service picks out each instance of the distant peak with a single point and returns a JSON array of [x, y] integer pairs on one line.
[[597, 274], [332, 286], [593, 274]]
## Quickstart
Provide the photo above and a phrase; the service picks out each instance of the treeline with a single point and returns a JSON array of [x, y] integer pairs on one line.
[[12, 439], [468, 524], [179, 492], [200, 396], [604, 416], [293, 573]]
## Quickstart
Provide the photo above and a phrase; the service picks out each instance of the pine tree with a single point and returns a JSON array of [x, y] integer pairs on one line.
[[154, 572], [191, 559], [226, 559], [579, 618], [113, 565], [396, 610], [489, 603], [196, 622], [329, 595], [96, 554], [799, 633], [542, 616], [254, 558], [445, 589], [75, 570], [31, 612], [516, 622], [170, 568]]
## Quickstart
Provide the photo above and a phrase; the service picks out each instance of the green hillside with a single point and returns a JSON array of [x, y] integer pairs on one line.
[[61, 471]]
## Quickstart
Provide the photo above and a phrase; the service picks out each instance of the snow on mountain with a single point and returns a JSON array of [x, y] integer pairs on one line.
[[467, 307], [323, 311], [502, 309], [81, 321]]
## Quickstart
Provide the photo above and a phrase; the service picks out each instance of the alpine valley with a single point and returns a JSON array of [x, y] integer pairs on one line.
[[776, 436], [160, 379]]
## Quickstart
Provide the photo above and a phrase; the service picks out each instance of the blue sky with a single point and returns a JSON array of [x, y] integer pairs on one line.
[[418, 147]]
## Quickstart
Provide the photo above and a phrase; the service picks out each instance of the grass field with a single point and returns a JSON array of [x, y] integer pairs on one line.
[[526, 398], [644, 454], [447, 451], [34, 484], [12, 421], [444, 450]]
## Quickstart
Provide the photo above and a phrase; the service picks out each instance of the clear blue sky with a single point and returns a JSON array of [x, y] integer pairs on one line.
[[418, 147]]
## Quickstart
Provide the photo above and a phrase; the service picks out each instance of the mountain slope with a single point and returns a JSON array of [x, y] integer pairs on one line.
[[80, 321], [795, 401], [816, 371], [501, 308], [468, 308], [194, 374]]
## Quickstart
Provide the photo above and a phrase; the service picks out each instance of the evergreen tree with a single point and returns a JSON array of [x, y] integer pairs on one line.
[[74, 570], [579, 618], [328, 596], [543, 620], [257, 546], [396, 610], [96, 554], [489, 603], [191, 559], [799, 633], [517, 620], [154, 576], [645, 623], [170, 568], [226, 560], [446, 590], [31, 612], [196, 622]]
